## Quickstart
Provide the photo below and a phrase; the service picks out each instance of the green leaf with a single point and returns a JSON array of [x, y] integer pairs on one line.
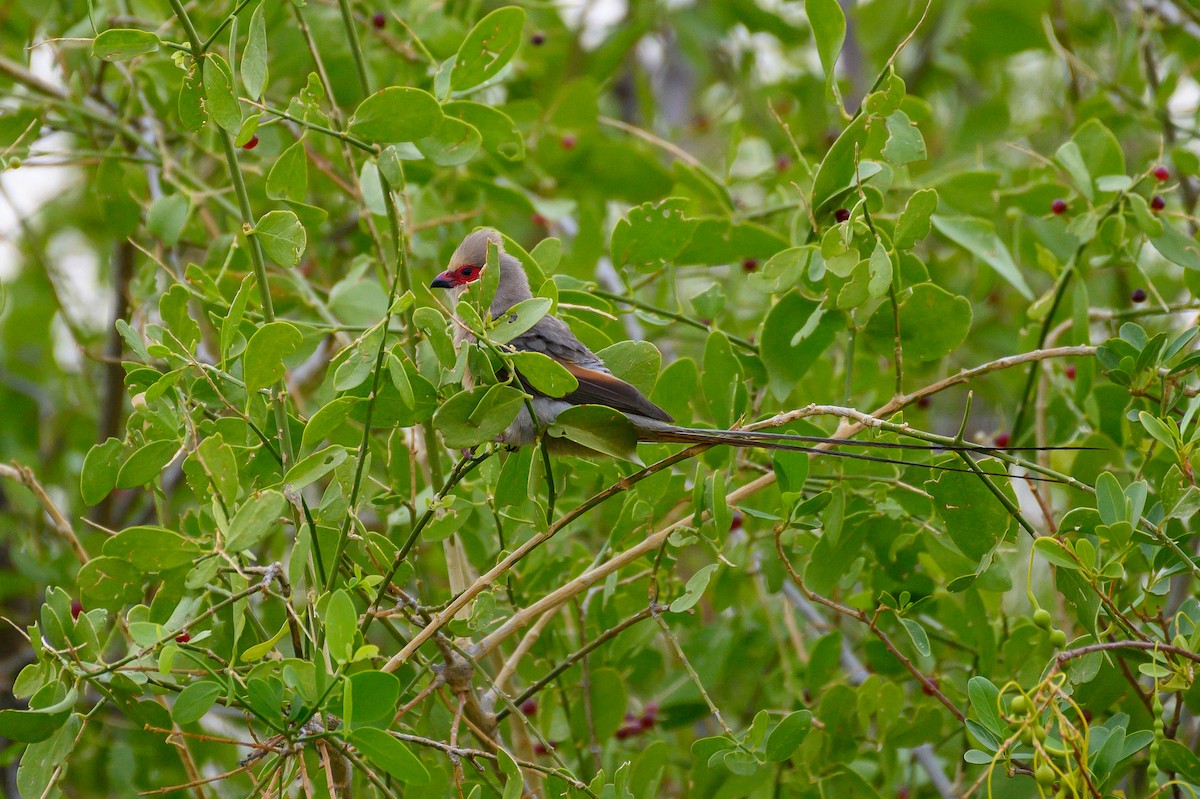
[[385, 752], [838, 170], [1160, 430], [474, 417], [905, 143], [975, 519], [933, 323], [253, 654], [100, 468], [796, 332], [519, 319], [146, 463], [978, 237], [220, 102], [488, 48], [107, 582], [918, 636], [652, 233], [983, 695], [167, 216], [829, 30], [720, 379], [194, 701], [499, 132], [326, 420], [262, 365], [914, 222], [31, 726], [254, 520], [1110, 499], [375, 695], [694, 589], [396, 114], [341, 626], [122, 44], [880, 271], [1176, 757], [288, 179], [544, 373], [254, 58], [788, 735], [282, 237], [1053, 551], [454, 143], [220, 465], [312, 468], [598, 428], [151, 549], [1177, 247]]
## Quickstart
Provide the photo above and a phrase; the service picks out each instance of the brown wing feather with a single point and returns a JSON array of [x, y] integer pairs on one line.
[[601, 388]]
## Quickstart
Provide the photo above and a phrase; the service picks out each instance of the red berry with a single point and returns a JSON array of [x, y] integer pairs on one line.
[[647, 722], [736, 522], [183, 637], [1162, 174], [537, 39], [568, 142], [630, 717], [902, 792], [76, 609], [783, 163], [750, 264], [1002, 440], [1157, 203], [929, 687], [924, 401], [624, 732], [538, 220], [540, 750], [529, 707], [1138, 295], [1070, 371], [651, 708], [250, 145], [1058, 207], [841, 215]]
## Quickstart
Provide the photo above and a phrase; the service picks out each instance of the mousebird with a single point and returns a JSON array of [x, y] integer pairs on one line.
[[599, 386]]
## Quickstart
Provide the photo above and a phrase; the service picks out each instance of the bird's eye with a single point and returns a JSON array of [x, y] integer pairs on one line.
[[467, 270]]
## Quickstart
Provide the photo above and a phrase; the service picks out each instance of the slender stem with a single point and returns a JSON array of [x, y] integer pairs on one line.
[[222, 26], [304, 123], [360, 62]]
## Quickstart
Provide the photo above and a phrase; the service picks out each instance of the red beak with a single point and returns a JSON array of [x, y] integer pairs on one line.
[[443, 281]]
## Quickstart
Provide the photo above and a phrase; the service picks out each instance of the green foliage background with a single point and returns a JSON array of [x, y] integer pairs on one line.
[[241, 452]]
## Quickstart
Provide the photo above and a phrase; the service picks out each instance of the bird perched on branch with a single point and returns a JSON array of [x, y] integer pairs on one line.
[[552, 337]]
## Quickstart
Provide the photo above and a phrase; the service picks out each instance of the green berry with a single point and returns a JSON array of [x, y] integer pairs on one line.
[[1151, 771], [14, 163], [1044, 776], [1041, 617], [1153, 748], [1159, 725], [1058, 639], [1020, 705], [1027, 736], [1039, 733]]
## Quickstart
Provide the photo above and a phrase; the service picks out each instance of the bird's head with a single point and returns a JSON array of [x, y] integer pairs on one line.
[[469, 261]]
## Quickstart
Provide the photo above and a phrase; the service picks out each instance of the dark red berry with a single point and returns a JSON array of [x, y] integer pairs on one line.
[[538, 220], [647, 722], [928, 687], [540, 750], [783, 163], [76, 609], [1058, 207], [630, 717], [1138, 295], [537, 39], [750, 264], [902, 792], [651, 709], [568, 142], [183, 637], [1162, 174], [624, 732], [1002, 440], [1070, 370], [924, 401], [529, 707], [841, 215], [379, 20], [250, 145], [736, 522], [1157, 203]]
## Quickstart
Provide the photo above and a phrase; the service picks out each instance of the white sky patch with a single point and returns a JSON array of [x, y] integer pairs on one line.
[[594, 20]]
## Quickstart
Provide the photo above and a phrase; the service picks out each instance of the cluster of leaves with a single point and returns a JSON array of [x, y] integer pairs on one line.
[[261, 539]]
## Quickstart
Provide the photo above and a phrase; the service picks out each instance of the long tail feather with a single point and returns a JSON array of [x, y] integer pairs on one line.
[[763, 435], [687, 435]]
